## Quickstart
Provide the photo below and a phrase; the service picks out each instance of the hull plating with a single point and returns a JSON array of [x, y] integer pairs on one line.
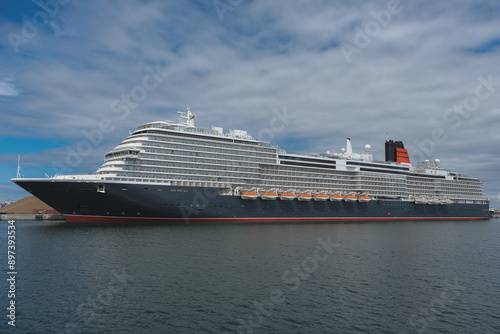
[[115, 201]]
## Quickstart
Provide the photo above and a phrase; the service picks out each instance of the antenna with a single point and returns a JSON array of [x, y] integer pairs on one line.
[[18, 166], [188, 116]]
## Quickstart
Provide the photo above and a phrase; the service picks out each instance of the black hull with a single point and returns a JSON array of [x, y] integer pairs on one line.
[[80, 200]]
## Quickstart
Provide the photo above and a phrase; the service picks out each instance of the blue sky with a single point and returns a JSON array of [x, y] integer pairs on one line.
[[426, 72]]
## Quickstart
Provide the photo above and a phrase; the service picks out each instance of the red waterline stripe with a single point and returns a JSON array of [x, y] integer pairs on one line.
[[75, 218]]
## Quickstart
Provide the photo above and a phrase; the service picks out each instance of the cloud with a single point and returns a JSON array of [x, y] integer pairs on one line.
[[264, 55], [7, 87]]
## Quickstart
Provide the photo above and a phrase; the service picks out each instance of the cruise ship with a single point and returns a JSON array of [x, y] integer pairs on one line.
[[176, 172]]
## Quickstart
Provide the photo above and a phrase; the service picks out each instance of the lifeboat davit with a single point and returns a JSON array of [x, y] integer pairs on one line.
[[269, 196], [336, 197], [320, 197], [288, 196], [304, 197], [446, 201], [249, 195]]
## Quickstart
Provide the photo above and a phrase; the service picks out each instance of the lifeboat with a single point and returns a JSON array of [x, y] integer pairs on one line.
[[350, 198], [249, 195], [364, 198], [320, 197], [434, 201], [336, 197], [287, 196], [304, 197], [269, 196], [421, 200], [446, 201]]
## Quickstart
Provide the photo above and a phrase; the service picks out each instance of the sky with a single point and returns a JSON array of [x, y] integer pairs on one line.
[[77, 76]]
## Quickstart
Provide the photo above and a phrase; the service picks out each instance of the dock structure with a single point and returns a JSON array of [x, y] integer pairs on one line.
[[29, 208]]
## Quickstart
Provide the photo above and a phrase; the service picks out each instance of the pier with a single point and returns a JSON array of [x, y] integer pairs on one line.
[[29, 208]]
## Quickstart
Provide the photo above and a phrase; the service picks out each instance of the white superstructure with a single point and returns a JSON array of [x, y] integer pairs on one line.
[[181, 154]]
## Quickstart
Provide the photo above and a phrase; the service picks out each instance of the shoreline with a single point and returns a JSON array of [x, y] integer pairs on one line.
[[58, 216], [28, 216]]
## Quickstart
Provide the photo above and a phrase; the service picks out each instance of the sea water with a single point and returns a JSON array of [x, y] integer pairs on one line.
[[367, 277]]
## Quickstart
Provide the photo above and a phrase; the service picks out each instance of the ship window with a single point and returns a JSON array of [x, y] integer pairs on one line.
[[101, 188], [124, 188], [146, 189]]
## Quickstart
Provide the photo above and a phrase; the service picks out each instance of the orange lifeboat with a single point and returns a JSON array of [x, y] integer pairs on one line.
[[446, 201], [336, 197], [434, 201], [364, 198], [249, 195], [304, 197], [269, 196], [287, 196], [350, 198], [320, 197], [421, 200]]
